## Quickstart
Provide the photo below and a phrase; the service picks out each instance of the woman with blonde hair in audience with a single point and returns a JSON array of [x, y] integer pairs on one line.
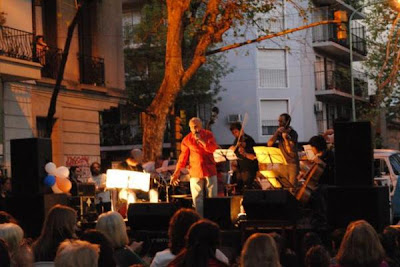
[[361, 247], [112, 225], [259, 250], [59, 225], [77, 253]]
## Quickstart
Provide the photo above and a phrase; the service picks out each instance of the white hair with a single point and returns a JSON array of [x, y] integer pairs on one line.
[[196, 120]]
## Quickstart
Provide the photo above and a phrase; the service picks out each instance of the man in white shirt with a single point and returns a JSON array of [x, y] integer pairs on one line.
[[103, 197]]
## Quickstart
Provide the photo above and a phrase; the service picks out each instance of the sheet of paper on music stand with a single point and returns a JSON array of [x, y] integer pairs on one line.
[[309, 153], [272, 155], [128, 179], [221, 155]]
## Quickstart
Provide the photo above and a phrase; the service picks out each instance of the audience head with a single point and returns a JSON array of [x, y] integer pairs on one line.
[[106, 258], [23, 256], [336, 239], [259, 250], [112, 225], [310, 239], [12, 234], [317, 256], [390, 240], [59, 225], [178, 228], [7, 218], [360, 246], [4, 254], [76, 253]]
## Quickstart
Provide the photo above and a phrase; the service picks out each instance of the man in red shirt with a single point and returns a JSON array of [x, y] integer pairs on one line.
[[198, 147]]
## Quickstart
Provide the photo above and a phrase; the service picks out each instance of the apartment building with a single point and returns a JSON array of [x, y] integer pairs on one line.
[[93, 77]]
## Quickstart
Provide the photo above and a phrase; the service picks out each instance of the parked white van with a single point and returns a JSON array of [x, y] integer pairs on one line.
[[387, 167]]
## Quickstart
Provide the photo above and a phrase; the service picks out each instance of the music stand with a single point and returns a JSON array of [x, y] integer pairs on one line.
[[269, 158], [221, 155]]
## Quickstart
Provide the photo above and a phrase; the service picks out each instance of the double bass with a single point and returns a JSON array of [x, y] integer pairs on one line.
[[311, 181]]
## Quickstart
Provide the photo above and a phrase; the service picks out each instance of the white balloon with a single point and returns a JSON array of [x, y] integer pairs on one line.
[[62, 172], [56, 190], [50, 168]]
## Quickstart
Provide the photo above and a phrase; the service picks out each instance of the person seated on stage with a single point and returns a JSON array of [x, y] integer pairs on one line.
[[112, 225], [259, 250], [77, 253], [202, 241], [73, 177], [133, 162], [103, 196], [247, 164]]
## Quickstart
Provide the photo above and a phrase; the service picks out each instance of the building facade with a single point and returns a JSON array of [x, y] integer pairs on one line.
[[93, 78]]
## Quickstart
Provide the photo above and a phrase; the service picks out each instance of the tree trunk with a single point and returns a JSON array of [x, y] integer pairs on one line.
[[156, 116], [60, 74]]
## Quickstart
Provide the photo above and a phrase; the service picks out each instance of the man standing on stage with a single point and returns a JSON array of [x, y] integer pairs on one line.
[[287, 142], [103, 196], [247, 164], [198, 147]]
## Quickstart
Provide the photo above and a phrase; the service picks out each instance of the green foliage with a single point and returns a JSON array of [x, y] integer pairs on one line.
[[381, 61], [144, 62]]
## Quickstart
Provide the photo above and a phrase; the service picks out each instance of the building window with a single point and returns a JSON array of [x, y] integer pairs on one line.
[[272, 68], [269, 113]]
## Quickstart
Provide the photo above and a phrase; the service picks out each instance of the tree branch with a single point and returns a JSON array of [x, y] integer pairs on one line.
[[269, 36]]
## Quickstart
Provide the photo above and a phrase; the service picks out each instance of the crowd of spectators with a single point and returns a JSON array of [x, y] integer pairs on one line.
[[193, 241]]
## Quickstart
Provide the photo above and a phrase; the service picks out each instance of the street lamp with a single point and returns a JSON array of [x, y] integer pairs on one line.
[[395, 4]]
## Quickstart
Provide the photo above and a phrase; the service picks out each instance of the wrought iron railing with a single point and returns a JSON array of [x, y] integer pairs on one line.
[[16, 43], [91, 70], [340, 80], [50, 58], [328, 32]]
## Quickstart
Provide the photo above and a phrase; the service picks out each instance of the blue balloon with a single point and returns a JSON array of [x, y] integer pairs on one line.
[[50, 180]]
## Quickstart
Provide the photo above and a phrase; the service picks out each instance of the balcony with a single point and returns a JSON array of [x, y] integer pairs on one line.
[[91, 70], [335, 86], [17, 55], [51, 60], [325, 39]]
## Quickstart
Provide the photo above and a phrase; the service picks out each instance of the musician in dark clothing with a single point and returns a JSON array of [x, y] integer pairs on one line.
[[247, 164], [324, 157]]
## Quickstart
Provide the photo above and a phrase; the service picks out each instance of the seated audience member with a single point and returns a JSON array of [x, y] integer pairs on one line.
[[360, 247], [58, 226], [5, 191], [310, 239], [20, 253], [4, 255], [77, 253], [317, 256], [259, 250], [390, 240], [287, 257], [7, 218], [12, 234], [336, 239], [202, 241], [106, 258], [178, 228], [112, 225]]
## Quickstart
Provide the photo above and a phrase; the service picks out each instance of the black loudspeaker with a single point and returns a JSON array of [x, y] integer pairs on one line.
[[28, 158], [222, 210], [31, 210], [350, 203], [150, 216], [270, 205], [353, 154]]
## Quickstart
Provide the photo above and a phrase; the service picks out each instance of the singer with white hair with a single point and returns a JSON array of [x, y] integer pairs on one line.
[[198, 147]]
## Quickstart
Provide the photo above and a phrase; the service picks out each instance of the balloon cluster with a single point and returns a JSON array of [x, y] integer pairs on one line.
[[57, 178]]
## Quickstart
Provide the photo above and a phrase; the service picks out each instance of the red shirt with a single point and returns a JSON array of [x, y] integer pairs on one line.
[[201, 159]]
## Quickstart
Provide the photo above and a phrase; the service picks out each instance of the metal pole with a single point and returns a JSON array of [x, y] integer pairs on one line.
[[353, 100]]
